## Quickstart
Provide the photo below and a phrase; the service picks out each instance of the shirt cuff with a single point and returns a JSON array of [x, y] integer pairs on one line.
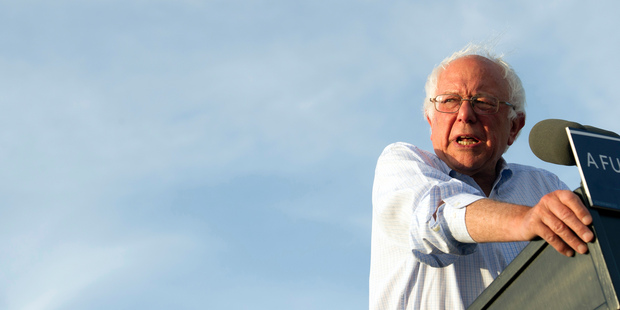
[[454, 214]]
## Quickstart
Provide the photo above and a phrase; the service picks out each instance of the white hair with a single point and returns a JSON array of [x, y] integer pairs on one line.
[[515, 91]]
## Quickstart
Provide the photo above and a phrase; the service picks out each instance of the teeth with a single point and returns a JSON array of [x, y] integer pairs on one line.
[[466, 142]]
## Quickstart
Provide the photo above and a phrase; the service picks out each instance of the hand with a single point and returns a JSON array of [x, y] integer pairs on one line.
[[561, 219]]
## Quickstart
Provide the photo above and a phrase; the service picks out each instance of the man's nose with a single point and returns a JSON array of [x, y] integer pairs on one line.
[[466, 112]]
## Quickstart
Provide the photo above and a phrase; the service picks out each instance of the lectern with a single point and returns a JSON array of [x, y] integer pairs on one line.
[[540, 277]]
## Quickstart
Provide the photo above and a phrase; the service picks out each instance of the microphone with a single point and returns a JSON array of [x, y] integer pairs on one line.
[[549, 141]]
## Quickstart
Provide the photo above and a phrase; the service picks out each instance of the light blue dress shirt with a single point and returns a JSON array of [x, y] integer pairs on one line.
[[419, 262]]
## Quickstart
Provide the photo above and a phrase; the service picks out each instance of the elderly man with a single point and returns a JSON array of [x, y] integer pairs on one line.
[[445, 224]]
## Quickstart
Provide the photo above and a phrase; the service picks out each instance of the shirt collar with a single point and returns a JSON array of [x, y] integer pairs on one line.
[[504, 175]]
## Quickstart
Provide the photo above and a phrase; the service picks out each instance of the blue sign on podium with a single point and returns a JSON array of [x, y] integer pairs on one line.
[[598, 159]]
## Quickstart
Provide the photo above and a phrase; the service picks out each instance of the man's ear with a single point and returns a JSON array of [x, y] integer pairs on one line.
[[515, 127]]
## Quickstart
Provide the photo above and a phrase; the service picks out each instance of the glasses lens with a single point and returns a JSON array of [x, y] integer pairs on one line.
[[448, 103], [485, 105]]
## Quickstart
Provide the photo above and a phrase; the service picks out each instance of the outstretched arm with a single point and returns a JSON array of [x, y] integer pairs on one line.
[[560, 218]]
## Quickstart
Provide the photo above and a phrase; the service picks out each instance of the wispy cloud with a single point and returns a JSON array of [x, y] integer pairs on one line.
[[154, 151]]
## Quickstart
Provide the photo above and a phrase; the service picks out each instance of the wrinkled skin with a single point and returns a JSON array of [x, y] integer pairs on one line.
[[469, 143]]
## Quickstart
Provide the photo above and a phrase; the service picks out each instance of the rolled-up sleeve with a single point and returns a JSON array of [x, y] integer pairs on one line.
[[416, 204]]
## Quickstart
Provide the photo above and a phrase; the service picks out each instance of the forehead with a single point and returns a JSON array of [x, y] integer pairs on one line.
[[470, 75]]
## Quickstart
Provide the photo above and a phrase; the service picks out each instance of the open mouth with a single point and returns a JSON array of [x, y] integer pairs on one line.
[[466, 140]]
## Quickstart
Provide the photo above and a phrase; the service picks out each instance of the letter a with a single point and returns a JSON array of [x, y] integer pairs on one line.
[[591, 160]]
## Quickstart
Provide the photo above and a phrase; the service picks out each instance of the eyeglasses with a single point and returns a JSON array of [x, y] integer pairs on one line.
[[482, 104]]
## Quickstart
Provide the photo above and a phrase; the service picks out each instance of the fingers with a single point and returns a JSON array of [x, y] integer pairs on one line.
[[561, 219], [572, 201]]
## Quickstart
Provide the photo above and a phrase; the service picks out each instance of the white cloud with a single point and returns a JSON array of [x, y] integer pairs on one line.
[[59, 274]]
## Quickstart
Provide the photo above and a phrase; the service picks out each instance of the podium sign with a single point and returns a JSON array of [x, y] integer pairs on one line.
[[598, 159], [540, 277]]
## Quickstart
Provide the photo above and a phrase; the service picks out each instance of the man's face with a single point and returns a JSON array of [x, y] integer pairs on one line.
[[469, 143]]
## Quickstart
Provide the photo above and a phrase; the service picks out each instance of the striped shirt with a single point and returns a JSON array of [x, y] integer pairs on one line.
[[419, 262]]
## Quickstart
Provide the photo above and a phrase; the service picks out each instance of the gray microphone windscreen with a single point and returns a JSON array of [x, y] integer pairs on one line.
[[549, 141]]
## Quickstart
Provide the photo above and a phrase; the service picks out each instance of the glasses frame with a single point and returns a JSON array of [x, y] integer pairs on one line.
[[471, 101]]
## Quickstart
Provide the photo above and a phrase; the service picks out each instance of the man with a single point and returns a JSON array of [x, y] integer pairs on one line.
[[445, 224]]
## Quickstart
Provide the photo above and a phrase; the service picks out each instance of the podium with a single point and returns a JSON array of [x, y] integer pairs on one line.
[[540, 277]]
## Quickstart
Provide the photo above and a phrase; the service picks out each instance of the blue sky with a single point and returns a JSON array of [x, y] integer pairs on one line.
[[196, 154]]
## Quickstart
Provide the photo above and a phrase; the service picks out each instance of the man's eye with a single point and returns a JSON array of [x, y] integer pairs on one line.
[[485, 100], [485, 107], [450, 100]]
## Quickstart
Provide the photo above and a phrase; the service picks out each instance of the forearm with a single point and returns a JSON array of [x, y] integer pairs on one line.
[[488, 220], [559, 218]]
